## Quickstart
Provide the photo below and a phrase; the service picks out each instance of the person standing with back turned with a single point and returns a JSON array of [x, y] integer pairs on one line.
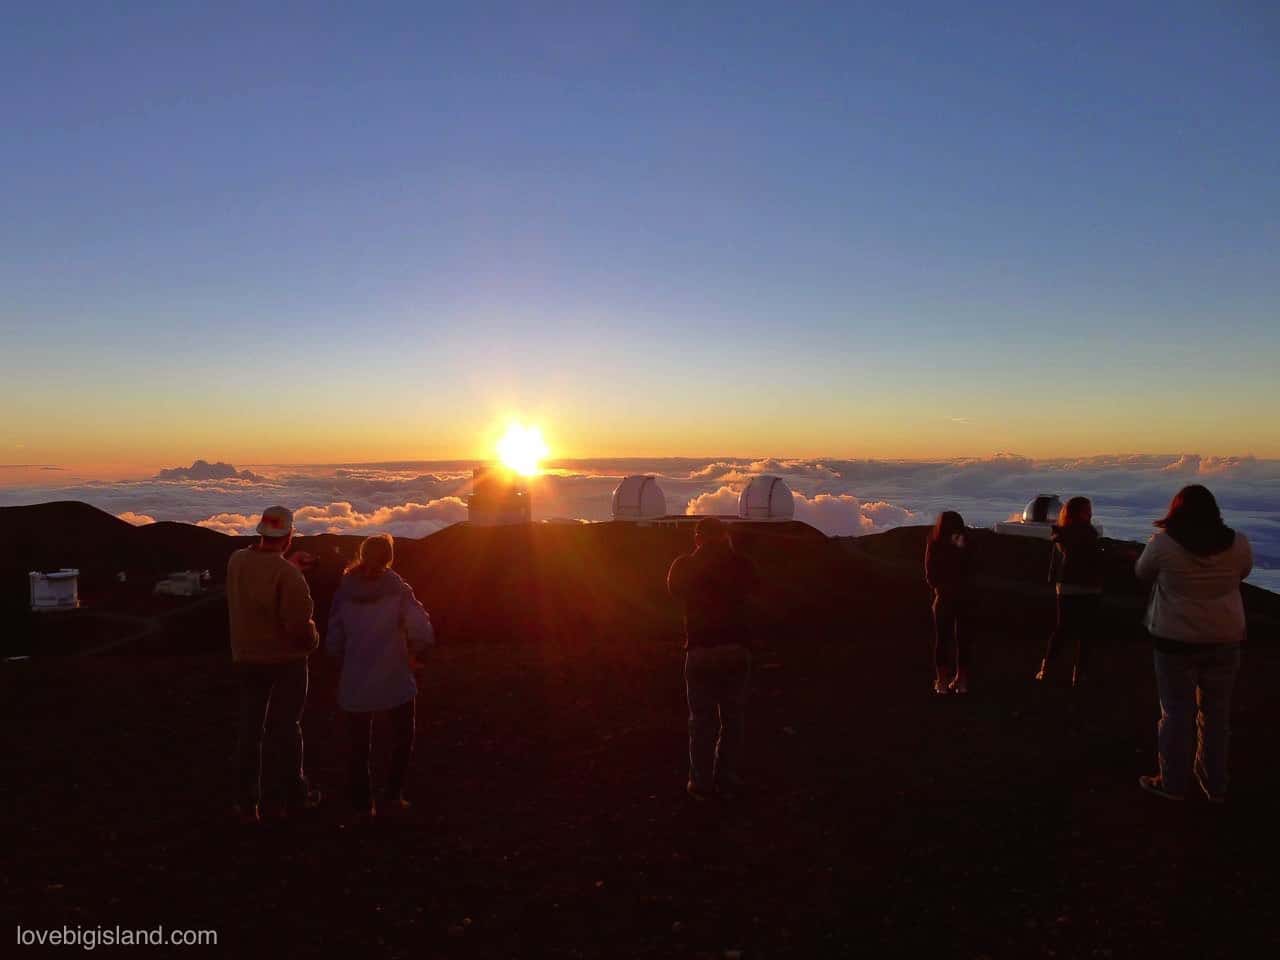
[[377, 628], [272, 634], [1196, 620], [1075, 570], [713, 583], [947, 566]]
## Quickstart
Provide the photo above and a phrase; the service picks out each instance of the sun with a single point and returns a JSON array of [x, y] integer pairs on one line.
[[521, 448]]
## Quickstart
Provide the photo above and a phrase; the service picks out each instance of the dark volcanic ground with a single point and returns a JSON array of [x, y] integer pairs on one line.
[[550, 818]]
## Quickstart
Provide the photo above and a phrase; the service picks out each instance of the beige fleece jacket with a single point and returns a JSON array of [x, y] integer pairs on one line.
[[270, 607]]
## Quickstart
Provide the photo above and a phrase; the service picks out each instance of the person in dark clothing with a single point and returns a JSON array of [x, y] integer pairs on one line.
[[947, 562], [1075, 570], [714, 583]]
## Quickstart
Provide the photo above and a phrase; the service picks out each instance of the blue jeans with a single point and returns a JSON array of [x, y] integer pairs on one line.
[[280, 691], [716, 681], [1195, 707]]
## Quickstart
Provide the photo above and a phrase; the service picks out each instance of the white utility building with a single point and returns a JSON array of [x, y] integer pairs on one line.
[[639, 499], [55, 591], [766, 497]]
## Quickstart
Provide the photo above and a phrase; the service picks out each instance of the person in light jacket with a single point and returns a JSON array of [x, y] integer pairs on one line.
[[377, 628], [1196, 620], [1075, 570]]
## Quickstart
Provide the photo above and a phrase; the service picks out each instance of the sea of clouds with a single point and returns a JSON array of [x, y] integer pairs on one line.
[[839, 497]]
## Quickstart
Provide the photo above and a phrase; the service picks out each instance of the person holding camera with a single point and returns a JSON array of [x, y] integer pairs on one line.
[[1075, 570], [272, 635]]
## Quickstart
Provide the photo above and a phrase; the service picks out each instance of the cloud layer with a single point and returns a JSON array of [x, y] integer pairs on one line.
[[839, 497]]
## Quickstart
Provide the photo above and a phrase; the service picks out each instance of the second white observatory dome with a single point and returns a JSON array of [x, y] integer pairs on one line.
[[766, 497], [639, 498]]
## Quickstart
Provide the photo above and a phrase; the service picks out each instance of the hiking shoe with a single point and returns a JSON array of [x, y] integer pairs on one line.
[[1043, 672], [959, 685], [697, 792], [1155, 785]]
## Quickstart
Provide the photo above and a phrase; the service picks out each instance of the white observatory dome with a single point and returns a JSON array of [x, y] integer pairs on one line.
[[1043, 509], [639, 498], [766, 497]]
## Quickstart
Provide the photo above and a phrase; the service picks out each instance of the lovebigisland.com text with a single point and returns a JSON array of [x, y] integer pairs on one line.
[[90, 938]]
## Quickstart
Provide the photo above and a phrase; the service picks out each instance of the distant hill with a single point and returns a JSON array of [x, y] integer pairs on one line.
[[562, 583]]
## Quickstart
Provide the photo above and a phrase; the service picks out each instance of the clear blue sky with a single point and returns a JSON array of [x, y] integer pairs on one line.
[[667, 228]]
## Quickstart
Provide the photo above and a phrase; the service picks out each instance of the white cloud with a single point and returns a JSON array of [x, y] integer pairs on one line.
[[837, 496], [137, 519], [404, 520], [720, 502]]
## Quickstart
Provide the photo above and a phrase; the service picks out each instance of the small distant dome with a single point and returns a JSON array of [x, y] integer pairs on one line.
[[1043, 509], [766, 497], [639, 498]]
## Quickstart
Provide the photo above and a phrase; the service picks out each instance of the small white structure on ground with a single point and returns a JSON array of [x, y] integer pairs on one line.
[[55, 591], [639, 499], [187, 583], [766, 497]]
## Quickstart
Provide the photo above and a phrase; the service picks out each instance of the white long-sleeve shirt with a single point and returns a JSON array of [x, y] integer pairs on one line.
[[1196, 599]]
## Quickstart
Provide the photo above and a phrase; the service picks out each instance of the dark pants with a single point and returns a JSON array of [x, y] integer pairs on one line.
[[947, 632], [1078, 624], [1195, 710], [360, 726], [716, 681], [274, 693]]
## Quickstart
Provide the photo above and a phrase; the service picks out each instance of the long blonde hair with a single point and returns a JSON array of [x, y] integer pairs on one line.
[[375, 556]]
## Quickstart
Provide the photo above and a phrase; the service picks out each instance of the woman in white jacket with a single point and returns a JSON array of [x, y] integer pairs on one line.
[[1197, 624], [376, 626]]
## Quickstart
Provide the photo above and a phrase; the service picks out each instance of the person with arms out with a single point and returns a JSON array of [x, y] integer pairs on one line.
[[1075, 570], [272, 635], [1196, 620], [947, 567], [376, 630], [713, 583]]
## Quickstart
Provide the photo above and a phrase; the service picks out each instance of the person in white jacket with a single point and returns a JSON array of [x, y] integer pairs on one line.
[[1196, 620], [377, 628]]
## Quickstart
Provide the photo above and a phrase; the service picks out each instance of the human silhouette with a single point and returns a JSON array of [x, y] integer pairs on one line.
[[714, 583], [1075, 570], [377, 629], [272, 635], [1196, 620], [947, 570]]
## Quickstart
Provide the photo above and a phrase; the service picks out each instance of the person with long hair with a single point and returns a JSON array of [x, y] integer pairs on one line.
[[377, 628], [1075, 570], [947, 567], [1195, 616]]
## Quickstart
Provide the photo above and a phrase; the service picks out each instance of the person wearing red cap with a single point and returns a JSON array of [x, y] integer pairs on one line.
[[272, 635]]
